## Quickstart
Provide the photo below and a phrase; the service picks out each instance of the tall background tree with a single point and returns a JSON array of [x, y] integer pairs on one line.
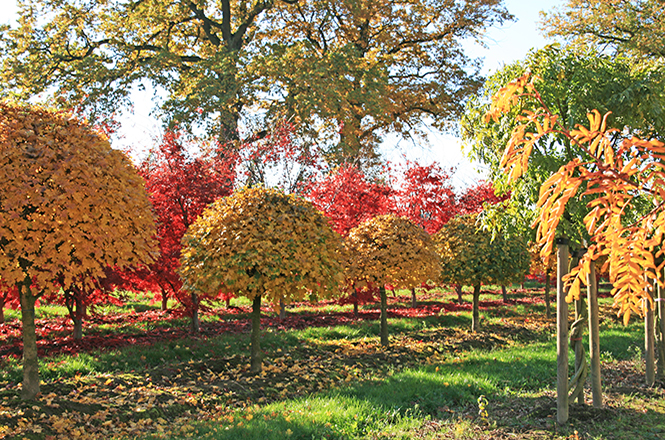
[[628, 26], [71, 207], [350, 71], [355, 70]]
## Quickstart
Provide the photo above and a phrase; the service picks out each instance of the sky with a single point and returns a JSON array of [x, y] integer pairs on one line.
[[505, 44]]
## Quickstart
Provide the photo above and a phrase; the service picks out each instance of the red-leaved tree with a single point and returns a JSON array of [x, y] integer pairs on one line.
[[424, 195], [349, 198], [180, 186], [474, 198]]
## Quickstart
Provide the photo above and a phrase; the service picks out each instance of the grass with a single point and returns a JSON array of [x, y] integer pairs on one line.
[[337, 382]]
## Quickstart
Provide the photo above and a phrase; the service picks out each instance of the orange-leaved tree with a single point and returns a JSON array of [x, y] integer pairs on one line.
[[390, 250], [472, 257], [619, 173], [71, 207], [262, 243]]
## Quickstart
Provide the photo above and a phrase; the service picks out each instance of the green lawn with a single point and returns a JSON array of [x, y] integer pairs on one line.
[[338, 382]]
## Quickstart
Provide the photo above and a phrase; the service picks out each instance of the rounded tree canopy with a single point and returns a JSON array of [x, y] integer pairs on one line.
[[260, 241], [470, 256], [391, 250], [70, 204]]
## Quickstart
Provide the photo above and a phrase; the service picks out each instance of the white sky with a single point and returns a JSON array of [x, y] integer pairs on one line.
[[504, 45]]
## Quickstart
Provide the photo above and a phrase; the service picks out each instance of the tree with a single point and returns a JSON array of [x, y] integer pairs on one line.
[[572, 82], [262, 244], [425, 196], [354, 71], [389, 250], [627, 26], [470, 257], [619, 173], [200, 54], [349, 198], [214, 60], [71, 206], [180, 186]]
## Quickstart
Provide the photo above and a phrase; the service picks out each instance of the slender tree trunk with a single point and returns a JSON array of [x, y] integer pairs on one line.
[[30, 388], [77, 316], [196, 323], [414, 302], [548, 307], [458, 289], [660, 342], [384, 317], [282, 309], [504, 293], [649, 347], [165, 299], [2, 309], [562, 333], [228, 302], [594, 338], [256, 358], [475, 322]]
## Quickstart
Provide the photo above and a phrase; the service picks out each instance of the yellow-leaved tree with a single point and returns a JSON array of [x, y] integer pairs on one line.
[[390, 250], [471, 257], [619, 173], [70, 207], [262, 243]]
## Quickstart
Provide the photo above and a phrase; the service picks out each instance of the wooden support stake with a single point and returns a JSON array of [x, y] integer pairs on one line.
[[562, 333], [594, 337]]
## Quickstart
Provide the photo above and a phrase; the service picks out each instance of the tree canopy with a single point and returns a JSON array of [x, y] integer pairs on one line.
[[626, 25], [572, 82], [347, 70]]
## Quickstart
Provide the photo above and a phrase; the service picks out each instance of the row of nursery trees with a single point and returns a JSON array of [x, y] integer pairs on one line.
[[76, 220]]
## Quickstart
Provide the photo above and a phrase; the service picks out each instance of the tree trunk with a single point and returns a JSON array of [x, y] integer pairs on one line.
[[196, 323], [475, 322], [228, 302], [504, 293], [562, 333], [282, 309], [77, 316], [384, 317], [660, 342], [255, 339], [414, 302], [594, 337], [458, 289], [548, 308], [649, 348], [165, 300], [30, 387], [2, 309]]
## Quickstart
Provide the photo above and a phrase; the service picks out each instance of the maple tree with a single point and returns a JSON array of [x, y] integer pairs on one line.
[[71, 207], [628, 26], [425, 196], [389, 250], [348, 197], [472, 257], [180, 185], [262, 244]]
